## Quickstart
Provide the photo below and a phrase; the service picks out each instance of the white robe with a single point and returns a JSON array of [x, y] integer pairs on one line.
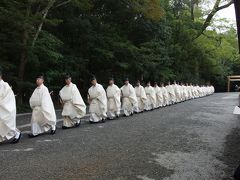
[[74, 107], [129, 100], [98, 103], [190, 94], [165, 96], [43, 115], [177, 92], [159, 96], [171, 93], [114, 101], [184, 93], [151, 98], [195, 91], [141, 98], [8, 128]]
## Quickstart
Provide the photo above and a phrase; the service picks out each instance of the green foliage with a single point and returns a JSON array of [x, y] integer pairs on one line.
[[141, 39]]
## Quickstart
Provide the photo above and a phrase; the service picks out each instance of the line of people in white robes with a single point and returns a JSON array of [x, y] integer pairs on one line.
[[102, 104]]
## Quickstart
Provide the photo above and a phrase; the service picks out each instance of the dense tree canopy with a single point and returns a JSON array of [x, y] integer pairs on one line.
[[157, 40]]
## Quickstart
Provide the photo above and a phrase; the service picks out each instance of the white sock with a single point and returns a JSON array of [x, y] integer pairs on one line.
[[17, 135]]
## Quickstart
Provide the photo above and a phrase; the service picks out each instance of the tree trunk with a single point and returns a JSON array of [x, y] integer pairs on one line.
[[197, 71], [208, 20], [192, 9], [23, 56], [45, 13]]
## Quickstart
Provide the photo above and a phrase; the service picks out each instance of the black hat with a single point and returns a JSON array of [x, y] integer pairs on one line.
[[40, 76], [67, 76], [111, 79], [155, 83], [126, 79], [92, 78], [138, 81]]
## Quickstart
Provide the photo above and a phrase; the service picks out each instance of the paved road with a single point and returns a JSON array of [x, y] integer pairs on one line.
[[194, 140]]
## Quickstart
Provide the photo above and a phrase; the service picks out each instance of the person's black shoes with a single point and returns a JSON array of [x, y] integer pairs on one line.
[[77, 124], [103, 121], [16, 140], [65, 127], [52, 132]]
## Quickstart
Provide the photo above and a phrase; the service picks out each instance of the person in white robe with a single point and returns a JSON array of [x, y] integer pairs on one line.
[[165, 95], [171, 93], [195, 92], [114, 100], [212, 89], [141, 96], [198, 90], [177, 92], [184, 92], [151, 97], [97, 99], [129, 99], [192, 91], [159, 95], [189, 92], [8, 130], [43, 112], [74, 107]]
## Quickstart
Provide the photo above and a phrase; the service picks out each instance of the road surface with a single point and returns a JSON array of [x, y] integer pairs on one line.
[[193, 140]]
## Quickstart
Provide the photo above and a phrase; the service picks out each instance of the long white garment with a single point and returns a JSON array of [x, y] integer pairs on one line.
[[195, 92], [74, 107], [171, 93], [129, 100], [182, 93], [98, 103], [190, 93], [165, 96], [43, 114], [185, 93], [177, 92], [141, 98], [8, 128], [198, 92], [114, 101], [159, 96], [151, 98]]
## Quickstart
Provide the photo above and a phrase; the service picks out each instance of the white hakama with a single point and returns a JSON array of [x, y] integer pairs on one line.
[[159, 96], [114, 101], [171, 93], [177, 92], [141, 98], [98, 103], [129, 100], [43, 115], [151, 98], [165, 96], [184, 93], [8, 128], [74, 107]]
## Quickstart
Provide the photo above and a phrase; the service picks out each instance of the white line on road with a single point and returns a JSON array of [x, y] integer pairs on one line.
[[48, 140], [19, 150]]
